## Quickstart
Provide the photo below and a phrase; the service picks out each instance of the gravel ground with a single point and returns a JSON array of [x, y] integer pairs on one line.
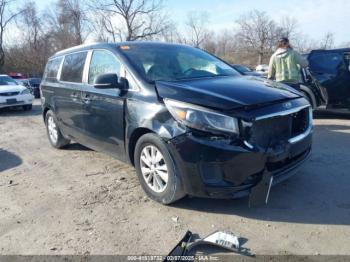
[[78, 201]]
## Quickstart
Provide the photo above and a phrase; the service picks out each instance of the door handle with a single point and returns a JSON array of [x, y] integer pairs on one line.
[[74, 96], [87, 99]]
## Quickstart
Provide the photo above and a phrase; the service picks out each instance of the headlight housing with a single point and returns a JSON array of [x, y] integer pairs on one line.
[[25, 92], [201, 118]]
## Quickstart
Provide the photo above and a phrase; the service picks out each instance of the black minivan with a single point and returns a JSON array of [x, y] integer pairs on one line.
[[187, 121]]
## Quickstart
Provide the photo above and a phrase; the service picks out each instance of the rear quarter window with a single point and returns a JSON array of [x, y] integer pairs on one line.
[[52, 68], [73, 67]]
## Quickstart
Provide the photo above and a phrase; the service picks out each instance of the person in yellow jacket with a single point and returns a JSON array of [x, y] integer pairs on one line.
[[286, 63]]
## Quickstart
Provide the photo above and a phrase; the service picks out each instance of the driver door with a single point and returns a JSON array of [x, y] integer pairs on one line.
[[103, 109], [330, 69]]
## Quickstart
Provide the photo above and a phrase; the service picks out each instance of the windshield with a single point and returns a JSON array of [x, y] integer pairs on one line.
[[7, 81], [242, 69], [173, 63]]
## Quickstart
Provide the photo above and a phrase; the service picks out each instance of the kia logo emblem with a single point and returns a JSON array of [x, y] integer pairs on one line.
[[287, 105]]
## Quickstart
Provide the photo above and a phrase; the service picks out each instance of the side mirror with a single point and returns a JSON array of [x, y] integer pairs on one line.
[[108, 81]]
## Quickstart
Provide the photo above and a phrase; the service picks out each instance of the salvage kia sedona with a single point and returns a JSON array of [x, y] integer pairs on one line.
[[187, 121]]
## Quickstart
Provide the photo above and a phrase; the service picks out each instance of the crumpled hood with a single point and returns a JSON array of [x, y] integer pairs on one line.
[[226, 93], [11, 88]]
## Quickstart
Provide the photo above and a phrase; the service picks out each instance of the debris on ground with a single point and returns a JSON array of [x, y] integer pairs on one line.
[[175, 219]]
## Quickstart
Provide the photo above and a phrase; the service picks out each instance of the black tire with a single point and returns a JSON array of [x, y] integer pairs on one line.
[[61, 141], [27, 107], [174, 189], [36, 93]]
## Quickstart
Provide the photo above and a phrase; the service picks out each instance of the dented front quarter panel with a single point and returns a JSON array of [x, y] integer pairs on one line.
[[152, 116]]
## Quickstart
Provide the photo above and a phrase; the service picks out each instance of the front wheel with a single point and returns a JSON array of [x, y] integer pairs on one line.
[[156, 170], [54, 134]]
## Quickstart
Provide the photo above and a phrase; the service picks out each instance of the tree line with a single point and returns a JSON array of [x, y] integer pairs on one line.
[[33, 35]]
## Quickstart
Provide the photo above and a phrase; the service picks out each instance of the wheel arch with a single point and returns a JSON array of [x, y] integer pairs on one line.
[[134, 137], [307, 91], [45, 110]]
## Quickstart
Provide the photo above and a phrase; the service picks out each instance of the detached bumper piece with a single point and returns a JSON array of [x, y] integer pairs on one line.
[[259, 195], [224, 240]]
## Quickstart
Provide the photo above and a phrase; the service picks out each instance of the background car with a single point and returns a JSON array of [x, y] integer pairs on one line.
[[17, 76], [13, 94], [245, 70], [332, 70], [262, 70], [33, 84]]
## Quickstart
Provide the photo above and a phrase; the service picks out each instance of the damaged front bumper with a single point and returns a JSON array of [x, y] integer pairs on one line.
[[218, 168]]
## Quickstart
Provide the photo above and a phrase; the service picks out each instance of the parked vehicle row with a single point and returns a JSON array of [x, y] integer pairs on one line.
[[187, 121]]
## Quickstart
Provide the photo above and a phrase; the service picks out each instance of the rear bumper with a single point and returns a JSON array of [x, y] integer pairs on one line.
[[218, 169]]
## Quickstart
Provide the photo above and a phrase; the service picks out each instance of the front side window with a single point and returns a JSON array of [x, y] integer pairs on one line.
[[73, 67], [326, 62], [173, 63], [103, 62]]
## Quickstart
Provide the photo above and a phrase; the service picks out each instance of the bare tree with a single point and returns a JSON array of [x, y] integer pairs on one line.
[[30, 52], [257, 32], [68, 24], [172, 34], [225, 44], [288, 27], [6, 17], [209, 43], [106, 28], [73, 14], [328, 41], [132, 20], [197, 26]]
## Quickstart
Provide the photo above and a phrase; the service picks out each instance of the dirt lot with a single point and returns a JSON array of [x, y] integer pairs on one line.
[[76, 200]]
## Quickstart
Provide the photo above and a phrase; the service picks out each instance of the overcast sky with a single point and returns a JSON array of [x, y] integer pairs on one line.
[[315, 17]]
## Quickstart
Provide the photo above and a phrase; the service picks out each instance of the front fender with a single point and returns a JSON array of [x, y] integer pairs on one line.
[[152, 116]]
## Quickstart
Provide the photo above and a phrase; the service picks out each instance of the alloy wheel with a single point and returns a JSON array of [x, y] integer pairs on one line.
[[52, 128], [154, 169]]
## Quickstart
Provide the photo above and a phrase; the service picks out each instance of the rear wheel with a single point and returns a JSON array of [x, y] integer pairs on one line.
[[54, 134], [156, 170]]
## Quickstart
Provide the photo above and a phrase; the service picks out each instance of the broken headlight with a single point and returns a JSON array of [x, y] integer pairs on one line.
[[201, 118]]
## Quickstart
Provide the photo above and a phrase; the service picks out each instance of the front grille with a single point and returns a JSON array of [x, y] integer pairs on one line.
[[9, 94], [274, 131]]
